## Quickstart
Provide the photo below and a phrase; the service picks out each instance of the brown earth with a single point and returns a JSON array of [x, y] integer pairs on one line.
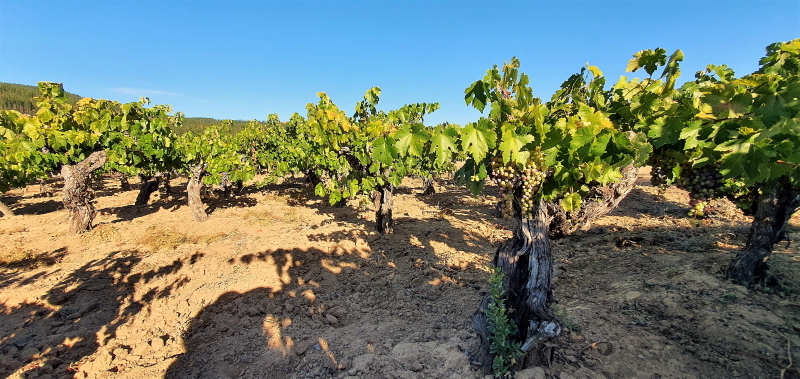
[[277, 284]]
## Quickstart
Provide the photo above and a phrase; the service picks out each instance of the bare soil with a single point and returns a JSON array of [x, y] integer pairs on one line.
[[278, 284]]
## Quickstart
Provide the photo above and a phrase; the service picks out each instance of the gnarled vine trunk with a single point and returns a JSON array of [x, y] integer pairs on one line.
[[527, 264], [77, 195], [428, 188], [773, 210], [193, 192], [226, 185], [5, 210], [124, 185], [382, 197], [600, 201], [166, 178], [149, 185]]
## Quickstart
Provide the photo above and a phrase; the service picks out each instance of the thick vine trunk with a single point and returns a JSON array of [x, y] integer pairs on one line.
[[384, 204], [527, 264], [124, 185], [148, 186], [193, 192], [600, 201], [773, 210], [5, 210], [226, 185], [429, 189], [77, 195], [166, 178], [44, 188]]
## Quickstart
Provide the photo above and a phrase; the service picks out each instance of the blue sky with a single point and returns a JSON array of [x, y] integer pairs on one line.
[[247, 59]]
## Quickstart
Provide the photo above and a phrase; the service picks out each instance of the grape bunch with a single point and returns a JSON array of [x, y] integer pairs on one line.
[[662, 162], [703, 183], [511, 176], [507, 177], [698, 208], [533, 175]]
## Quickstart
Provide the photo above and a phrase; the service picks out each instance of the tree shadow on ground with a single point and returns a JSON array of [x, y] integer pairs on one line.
[[81, 313], [332, 305]]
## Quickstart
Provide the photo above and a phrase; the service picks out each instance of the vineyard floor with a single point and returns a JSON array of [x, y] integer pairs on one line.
[[277, 284]]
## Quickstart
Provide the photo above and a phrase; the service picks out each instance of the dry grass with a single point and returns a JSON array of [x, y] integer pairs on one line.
[[18, 256], [101, 234], [293, 216], [15, 229], [261, 217], [157, 239]]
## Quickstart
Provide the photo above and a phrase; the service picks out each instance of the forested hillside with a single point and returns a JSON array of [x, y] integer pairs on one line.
[[19, 97]]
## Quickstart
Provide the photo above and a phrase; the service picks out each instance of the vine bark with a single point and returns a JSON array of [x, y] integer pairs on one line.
[[193, 191], [77, 194], [773, 210]]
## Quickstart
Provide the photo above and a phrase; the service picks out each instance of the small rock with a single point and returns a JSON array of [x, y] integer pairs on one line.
[[24, 341], [605, 348], [12, 351], [29, 354], [530, 373], [416, 367], [157, 343], [317, 317], [140, 349], [352, 372], [331, 319], [56, 324], [317, 347]]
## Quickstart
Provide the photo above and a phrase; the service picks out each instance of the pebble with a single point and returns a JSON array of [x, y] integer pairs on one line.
[[157, 343], [331, 319], [530, 373], [29, 354]]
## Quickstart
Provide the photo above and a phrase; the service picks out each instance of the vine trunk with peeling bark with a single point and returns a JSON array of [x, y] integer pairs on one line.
[[149, 184], [5, 210], [193, 192], [773, 209], [77, 194]]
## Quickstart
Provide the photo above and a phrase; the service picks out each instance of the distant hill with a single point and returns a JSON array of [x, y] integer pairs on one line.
[[19, 97]]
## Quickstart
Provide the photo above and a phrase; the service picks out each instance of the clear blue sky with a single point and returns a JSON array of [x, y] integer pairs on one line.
[[247, 59]]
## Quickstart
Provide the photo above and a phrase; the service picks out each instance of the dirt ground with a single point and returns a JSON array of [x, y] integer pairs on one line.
[[277, 284]]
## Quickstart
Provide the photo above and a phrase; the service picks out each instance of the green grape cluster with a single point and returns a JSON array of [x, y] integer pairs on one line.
[[698, 208], [662, 162], [703, 183], [507, 177], [528, 178], [533, 175]]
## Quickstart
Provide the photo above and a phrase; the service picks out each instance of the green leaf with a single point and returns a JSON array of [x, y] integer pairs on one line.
[[512, 146], [476, 95], [411, 139], [478, 138], [384, 151], [571, 202]]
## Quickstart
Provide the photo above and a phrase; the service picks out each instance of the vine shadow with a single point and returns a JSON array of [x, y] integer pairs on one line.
[[78, 315]]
